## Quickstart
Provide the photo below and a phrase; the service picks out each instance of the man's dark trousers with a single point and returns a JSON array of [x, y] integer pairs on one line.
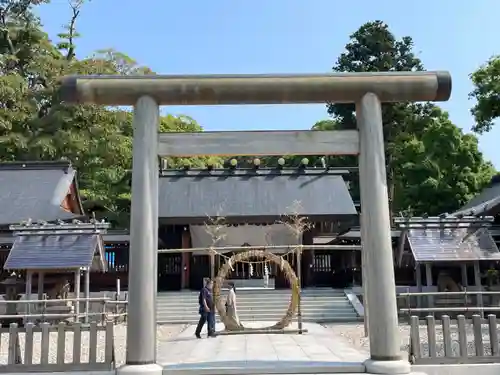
[[211, 322], [209, 318]]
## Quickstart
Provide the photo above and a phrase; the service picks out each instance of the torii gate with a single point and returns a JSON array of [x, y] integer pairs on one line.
[[366, 90]]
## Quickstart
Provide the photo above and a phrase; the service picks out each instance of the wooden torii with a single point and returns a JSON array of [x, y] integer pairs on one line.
[[366, 90]]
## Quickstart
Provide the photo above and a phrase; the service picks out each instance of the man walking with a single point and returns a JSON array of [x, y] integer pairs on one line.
[[206, 310]]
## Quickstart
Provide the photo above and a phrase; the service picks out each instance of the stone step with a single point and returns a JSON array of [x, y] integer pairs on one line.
[[270, 318], [242, 300], [255, 297], [178, 309], [309, 292], [318, 305], [252, 302], [242, 306], [275, 307], [261, 314]]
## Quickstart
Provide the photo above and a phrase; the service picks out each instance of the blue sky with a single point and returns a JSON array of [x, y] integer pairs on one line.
[[283, 36]]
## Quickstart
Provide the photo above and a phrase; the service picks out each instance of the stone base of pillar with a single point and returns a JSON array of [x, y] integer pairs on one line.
[[151, 369], [387, 367]]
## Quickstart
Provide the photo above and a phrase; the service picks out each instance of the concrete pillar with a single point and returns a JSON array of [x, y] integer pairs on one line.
[[141, 328], [154, 175], [385, 354], [364, 279], [428, 282]]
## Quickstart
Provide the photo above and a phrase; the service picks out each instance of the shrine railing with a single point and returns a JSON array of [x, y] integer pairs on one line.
[[55, 348], [466, 302], [98, 309], [447, 341]]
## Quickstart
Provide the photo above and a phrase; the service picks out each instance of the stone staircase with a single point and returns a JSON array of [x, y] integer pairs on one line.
[[318, 305]]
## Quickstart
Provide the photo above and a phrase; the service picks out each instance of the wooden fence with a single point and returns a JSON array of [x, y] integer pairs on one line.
[[56, 348], [454, 342], [99, 309]]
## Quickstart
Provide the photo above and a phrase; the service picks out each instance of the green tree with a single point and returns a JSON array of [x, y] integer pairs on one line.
[[486, 81], [35, 125], [427, 156], [433, 167], [373, 48], [439, 167]]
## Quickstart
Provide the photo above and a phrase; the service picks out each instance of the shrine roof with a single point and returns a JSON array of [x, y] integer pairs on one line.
[[485, 203], [448, 238], [254, 195], [34, 190], [54, 252]]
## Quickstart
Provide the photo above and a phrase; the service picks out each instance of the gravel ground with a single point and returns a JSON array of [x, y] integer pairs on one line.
[[354, 334], [120, 333]]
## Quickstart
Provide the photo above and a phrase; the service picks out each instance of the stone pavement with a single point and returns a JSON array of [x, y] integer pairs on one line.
[[318, 350]]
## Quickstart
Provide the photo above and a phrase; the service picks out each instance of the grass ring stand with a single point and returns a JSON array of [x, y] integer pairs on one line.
[[270, 257]]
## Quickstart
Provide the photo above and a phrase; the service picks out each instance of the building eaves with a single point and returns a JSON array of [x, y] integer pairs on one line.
[[485, 203], [253, 196]]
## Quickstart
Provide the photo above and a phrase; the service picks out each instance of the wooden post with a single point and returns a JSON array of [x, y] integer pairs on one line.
[[299, 277], [185, 259], [463, 269], [40, 284], [76, 304], [87, 294], [308, 239], [29, 279], [212, 265], [418, 276], [477, 281], [428, 281], [117, 298], [41, 275]]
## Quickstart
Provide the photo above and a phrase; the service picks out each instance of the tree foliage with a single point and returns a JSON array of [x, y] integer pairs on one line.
[[486, 81], [35, 125], [432, 166]]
